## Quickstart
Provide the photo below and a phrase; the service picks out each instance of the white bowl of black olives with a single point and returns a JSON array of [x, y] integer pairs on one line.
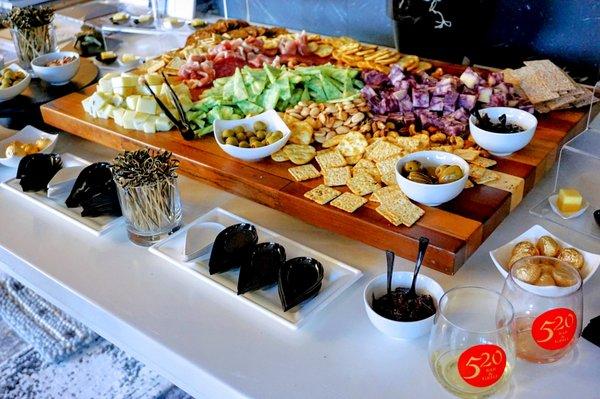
[[432, 177], [502, 130], [252, 138]]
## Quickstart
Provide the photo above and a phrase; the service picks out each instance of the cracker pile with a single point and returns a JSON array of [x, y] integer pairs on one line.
[[356, 170], [547, 86]]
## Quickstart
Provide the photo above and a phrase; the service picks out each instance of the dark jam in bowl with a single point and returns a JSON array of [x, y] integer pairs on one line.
[[502, 126], [399, 306]]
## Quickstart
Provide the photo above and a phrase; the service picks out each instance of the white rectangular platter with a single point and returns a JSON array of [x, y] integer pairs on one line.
[[56, 204], [338, 276]]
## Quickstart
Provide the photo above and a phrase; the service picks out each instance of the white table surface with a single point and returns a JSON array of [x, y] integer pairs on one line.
[[203, 341]]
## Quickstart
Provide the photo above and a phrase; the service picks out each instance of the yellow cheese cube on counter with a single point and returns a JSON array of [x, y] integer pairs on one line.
[[569, 200]]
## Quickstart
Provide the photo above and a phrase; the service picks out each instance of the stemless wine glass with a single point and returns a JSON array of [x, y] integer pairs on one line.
[[547, 318], [471, 346]]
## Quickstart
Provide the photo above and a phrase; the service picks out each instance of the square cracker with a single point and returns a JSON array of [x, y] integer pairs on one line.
[[330, 159], [362, 184], [368, 167], [336, 176], [381, 149], [377, 194], [403, 212], [348, 202], [483, 162], [468, 154], [391, 195], [476, 172], [388, 165], [322, 194], [487, 177], [389, 179], [304, 172], [554, 77]]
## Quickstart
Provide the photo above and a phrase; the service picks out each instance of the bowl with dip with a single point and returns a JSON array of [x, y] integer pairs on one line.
[[502, 130]]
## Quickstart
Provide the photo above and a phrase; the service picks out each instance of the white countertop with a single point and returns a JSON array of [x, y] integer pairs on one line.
[[203, 341]]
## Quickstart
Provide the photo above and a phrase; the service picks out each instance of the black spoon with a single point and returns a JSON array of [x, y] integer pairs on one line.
[[423, 243], [390, 256]]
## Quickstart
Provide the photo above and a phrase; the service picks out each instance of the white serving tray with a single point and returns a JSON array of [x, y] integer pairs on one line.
[[337, 278], [500, 256], [56, 204]]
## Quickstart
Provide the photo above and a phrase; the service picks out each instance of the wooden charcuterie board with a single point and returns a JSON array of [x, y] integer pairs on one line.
[[455, 229]]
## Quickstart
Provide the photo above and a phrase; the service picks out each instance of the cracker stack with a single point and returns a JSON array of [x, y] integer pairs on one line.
[[547, 86]]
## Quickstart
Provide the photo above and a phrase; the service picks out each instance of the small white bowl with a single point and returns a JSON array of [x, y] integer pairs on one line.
[[432, 194], [504, 144], [273, 122], [568, 215], [401, 329], [56, 75], [15, 90], [28, 134], [500, 256]]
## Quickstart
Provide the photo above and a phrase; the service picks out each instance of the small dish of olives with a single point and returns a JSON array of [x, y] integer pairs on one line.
[[252, 138], [432, 177]]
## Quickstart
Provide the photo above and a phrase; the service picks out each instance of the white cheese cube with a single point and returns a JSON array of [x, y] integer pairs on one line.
[[146, 104], [105, 111], [150, 124], [132, 101], [125, 80], [117, 100], [125, 91], [118, 116], [163, 124], [87, 106], [154, 79], [128, 119], [138, 120], [105, 85]]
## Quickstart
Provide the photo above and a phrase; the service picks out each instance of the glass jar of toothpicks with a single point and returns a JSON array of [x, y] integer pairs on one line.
[[148, 194]]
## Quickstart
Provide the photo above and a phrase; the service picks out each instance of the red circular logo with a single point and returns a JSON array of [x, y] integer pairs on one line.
[[482, 365], [554, 329]]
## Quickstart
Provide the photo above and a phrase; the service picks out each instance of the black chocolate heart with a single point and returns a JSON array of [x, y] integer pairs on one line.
[[265, 261], [232, 248], [299, 279]]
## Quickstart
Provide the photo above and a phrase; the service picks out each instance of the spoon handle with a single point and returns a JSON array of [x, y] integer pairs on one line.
[[390, 255], [423, 243]]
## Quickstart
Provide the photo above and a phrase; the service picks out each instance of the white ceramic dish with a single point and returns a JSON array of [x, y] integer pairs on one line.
[[56, 204], [338, 276], [401, 329], [28, 134], [566, 216], [199, 239], [432, 194], [15, 90], [504, 144], [501, 256], [273, 122], [55, 75]]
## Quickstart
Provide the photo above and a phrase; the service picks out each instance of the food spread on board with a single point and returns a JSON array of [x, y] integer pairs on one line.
[[354, 110]]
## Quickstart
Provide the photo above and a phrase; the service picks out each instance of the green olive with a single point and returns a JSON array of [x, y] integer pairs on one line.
[[238, 129], [412, 166], [274, 137], [240, 136], [250, 133], [450, 174], [261, 134], [260, 125], [257, 144], [231, 141], [228, 133], [439, 169], [420, 177], [244, 144]]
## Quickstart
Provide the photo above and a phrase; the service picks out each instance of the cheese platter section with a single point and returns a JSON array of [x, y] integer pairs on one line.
[[357, 139]]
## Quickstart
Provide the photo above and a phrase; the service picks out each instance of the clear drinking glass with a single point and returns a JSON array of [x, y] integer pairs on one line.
[[151, 211], [471, 346], [33, 42], [547, 318]]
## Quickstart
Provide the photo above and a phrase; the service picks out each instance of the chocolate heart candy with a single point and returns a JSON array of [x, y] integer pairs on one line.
[[232, 248], [299, 279], [262, 270]]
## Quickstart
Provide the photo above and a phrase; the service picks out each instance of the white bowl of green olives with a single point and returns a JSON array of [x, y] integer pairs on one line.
[[432, 177], [252, 138]]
